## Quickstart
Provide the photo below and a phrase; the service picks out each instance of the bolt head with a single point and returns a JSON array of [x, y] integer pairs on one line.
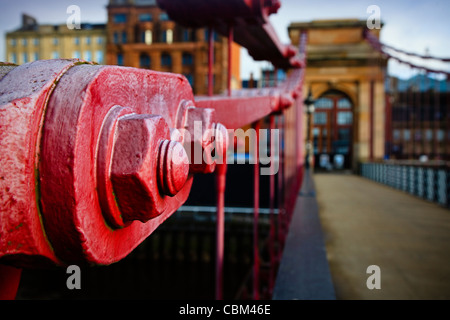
[[173, 167], [134, 166]]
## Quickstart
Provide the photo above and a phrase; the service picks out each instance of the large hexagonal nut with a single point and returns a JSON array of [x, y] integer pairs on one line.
[[146, 167]]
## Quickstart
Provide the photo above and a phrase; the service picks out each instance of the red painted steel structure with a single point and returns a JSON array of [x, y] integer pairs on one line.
[[94, 158]]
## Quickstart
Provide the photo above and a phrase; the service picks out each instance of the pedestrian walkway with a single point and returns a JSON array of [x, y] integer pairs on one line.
[[366, 223]]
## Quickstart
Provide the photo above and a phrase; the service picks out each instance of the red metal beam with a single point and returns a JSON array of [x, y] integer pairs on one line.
[[273, 157], [252, 28], [248, 105], [256, 126]]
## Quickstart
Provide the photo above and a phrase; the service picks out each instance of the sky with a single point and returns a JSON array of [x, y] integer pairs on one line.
[[411, 25]]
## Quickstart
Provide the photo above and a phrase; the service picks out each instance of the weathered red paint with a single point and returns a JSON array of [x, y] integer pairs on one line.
[[271, 244], [221, 173], [89, 172], [248, 105], [141, 149], [256, 126], [24, 94]]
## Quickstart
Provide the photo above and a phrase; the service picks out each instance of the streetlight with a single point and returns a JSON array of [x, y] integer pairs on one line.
[[309, 110]]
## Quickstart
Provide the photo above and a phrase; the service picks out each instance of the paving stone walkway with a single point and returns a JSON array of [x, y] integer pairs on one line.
[[366, 223]]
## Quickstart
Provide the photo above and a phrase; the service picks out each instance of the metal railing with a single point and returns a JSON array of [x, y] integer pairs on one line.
[[429, 182]]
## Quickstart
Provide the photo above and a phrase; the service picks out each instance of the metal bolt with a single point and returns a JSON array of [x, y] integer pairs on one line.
[[173, 167], [146, 167]]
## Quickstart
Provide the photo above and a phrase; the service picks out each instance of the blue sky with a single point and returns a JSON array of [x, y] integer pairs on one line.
[[408, 24]]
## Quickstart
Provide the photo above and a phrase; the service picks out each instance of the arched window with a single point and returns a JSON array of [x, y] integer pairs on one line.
[[144, 61], [344, 103], [120, 59], [166, 60], [324, 103], [187, 59]]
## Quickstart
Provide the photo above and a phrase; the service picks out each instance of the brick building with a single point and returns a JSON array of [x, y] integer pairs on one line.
[[142, 35]]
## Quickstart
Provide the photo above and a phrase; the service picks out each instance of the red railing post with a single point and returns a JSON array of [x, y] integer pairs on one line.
[[221, 170], [256, 127], [271, 205], [280, 186]]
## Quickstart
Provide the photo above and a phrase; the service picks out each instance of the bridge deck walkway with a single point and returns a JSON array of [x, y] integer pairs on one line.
[[366, 223]]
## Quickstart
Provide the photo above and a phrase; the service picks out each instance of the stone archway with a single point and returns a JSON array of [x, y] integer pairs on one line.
[[339, 58]]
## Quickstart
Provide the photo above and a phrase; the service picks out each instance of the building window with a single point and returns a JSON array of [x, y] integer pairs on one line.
[[145, 17], [55, 55], [166, 60], [99, 56], [163, 16], [24, 42], [88, 40], [120, 59], [13, 58], [36, 41], [55, 41], [35, 56], [76, 55], [76, 41], [187, 59], [396, 134], [147, 37], [169, 36], [188, 35], [13, 42], [99, 40], [87, 56], [344, 117], [215, 36], [24, 57], [324, 103], [144, 61], [190, 78], [124, 37], [429, 134], [440, 135], [406, 135], [320, 118], [344, 103], [116, 38], [120, 18]]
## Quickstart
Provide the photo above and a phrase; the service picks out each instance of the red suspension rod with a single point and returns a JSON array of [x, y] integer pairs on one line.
[[256, 126]]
